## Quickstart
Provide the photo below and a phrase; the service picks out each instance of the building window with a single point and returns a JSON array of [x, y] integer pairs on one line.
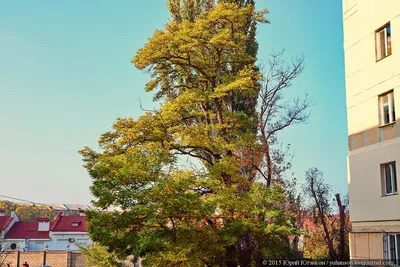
[[383, 41], [391, 247], [75, 223], [387, 109], [389, 178]]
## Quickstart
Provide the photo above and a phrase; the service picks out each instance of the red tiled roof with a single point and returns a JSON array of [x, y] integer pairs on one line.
[[64, 224], [22, 230], [4, 222]]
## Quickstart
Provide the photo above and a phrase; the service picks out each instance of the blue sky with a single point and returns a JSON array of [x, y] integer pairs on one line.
[[65, 76]]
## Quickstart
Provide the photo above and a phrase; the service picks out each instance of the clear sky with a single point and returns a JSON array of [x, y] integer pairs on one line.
[[65, 76]]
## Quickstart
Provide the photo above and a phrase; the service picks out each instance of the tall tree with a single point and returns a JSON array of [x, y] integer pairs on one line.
[[189, 10], [174, 216], [273, 115]]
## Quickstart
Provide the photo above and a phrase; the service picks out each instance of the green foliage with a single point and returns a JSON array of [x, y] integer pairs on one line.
[[8, 206], [99, 256], [29, 213], [210, 213]]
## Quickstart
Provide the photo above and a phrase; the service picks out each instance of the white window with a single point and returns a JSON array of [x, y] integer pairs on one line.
[[389, 178], [387, 108], [383, 41], [391, 247]]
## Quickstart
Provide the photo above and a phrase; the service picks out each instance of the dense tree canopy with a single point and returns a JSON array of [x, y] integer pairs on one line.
[[212, 210]]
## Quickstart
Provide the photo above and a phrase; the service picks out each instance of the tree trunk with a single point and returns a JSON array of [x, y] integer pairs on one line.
[[267, 158], [342, 243], [245, 251], [230, 259]]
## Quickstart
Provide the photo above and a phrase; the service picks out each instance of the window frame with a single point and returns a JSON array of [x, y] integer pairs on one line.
[[387, 247], [391, 108], [393, 179], [378, 40]]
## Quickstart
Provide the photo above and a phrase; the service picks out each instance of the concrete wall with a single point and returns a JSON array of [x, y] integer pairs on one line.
[[77, 260], [9, 257], [33, 258], [366, 246], [54, 259], [57, 259]]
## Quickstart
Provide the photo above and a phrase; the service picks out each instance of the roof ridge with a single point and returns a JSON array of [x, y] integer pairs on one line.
[[55, 222]]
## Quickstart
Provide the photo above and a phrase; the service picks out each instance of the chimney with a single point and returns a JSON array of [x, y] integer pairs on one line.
[[43, 224], [81, 212], [2, 212]]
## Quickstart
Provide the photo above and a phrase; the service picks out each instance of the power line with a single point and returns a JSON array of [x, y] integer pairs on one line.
[[33, 203], [64, 206], [23, 200]]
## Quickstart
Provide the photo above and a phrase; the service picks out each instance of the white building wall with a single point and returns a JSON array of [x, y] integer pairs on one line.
[[371, 212], [60, 241], [366, 79], [56, 242], [22, 244], [365, 183]]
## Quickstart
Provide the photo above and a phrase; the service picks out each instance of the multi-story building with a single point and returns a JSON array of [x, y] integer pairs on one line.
[[372, 63]]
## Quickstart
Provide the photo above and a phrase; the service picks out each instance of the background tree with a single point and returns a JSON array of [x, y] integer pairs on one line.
[[314, 241], [275, 114], [214, 212], [330, 232], [99, 256], [32, 213], [319, 192], [27, 212], [8, 206]]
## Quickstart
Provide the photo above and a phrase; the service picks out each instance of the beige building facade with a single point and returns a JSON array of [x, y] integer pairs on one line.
[[372, 67]]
